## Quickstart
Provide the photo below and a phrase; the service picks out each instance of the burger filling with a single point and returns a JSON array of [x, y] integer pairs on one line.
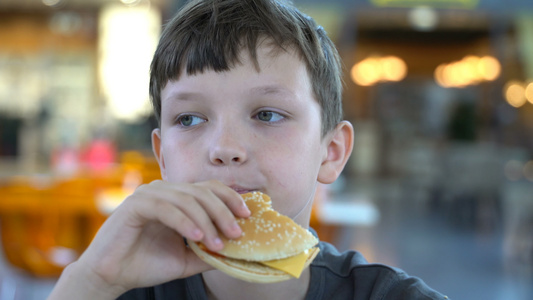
[[293, 265]]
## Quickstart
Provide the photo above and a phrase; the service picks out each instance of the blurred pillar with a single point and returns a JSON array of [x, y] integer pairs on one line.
[[524, 29]]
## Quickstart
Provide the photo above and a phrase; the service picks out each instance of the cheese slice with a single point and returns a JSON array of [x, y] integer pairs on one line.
[[293, 265]]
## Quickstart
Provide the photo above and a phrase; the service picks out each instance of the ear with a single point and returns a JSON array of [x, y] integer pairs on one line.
[[339, 145], [156, 147]]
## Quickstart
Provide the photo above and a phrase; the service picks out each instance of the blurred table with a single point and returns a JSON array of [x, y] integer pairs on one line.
[[335, 214], [47, 221]]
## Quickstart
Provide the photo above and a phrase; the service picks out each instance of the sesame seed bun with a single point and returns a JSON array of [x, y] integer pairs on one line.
[[247, 270], [267, 235]]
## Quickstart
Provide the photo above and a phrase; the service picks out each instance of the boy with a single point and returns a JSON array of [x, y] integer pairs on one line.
[[248, 95]]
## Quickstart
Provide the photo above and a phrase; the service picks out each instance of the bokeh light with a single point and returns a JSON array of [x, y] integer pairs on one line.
[[470, 70], [374, 69], [514, 92], [127, 39], [489, 68]]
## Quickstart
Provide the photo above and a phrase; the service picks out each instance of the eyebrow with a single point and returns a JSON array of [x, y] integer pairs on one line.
[[266, 90], [184, 96], [276, 90]]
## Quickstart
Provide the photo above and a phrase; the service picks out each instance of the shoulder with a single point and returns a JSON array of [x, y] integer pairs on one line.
[[347, 275], [341, 264]]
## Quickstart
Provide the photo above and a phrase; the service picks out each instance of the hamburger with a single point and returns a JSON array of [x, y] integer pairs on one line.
[[272, 247]]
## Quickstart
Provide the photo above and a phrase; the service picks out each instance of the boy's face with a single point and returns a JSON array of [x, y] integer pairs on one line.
[[251, 130]]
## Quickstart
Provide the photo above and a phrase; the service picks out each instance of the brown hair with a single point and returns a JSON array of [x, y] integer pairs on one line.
[[209, 34]]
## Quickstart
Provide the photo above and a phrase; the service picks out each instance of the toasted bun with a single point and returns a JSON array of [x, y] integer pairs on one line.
[[267, 235], [247, 270]]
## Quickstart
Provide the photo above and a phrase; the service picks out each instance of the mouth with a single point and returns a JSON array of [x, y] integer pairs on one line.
[[241, 190]]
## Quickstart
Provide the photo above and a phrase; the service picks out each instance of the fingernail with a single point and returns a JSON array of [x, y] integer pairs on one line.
[[235, 227], [197, 233], [218, 242], [245, 208]]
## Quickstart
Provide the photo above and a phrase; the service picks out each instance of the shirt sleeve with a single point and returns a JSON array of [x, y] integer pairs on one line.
[[138, 294], [348, 275], [412, 288]]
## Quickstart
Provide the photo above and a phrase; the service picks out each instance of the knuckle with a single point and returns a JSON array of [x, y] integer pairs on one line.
[[160, 205], [224, 217], [145, 188], [155, 182], [213, 182], [183, 222]]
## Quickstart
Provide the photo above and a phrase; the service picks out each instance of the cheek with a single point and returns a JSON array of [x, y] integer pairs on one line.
[[295, 154], [294, 170], [180, 162]]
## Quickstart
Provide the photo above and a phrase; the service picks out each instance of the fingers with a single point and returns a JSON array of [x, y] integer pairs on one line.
[[194, 210], [232, 199], [221, 205], [168, 214]]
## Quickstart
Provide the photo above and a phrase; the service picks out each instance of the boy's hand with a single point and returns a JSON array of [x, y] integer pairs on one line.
[[141, 244]]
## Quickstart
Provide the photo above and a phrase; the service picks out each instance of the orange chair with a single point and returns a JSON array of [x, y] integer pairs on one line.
[[47, 224], [45, 228], [21, 223]]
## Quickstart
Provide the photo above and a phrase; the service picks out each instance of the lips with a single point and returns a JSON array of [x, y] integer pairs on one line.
[[242, 190]]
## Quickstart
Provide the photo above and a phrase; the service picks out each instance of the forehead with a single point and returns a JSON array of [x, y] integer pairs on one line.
[[264, 49], [279, 77], [268, 62]]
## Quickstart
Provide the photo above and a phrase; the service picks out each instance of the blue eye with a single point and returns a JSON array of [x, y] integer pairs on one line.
[[269, 116], [190, 120]]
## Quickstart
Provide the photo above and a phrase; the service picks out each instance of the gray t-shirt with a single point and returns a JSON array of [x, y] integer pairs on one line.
[[334, 275]]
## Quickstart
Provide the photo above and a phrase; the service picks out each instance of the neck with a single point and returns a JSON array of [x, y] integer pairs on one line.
[[303, 216], [220, 286]]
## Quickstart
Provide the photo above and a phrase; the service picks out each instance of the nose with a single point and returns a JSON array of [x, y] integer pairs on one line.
[[227, 148]]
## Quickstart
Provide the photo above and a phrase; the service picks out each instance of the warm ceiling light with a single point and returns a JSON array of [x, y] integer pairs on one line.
[[366, 72], [394, 68], [372, 70], [515, 94], [489, 68], [463, 74], [468, 71], [439, 76], [469, 65]]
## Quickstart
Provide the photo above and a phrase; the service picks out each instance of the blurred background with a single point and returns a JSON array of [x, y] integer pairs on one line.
[[440, 93]]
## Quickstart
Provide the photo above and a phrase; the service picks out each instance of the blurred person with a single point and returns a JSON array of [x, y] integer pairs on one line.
[[248, 96]]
